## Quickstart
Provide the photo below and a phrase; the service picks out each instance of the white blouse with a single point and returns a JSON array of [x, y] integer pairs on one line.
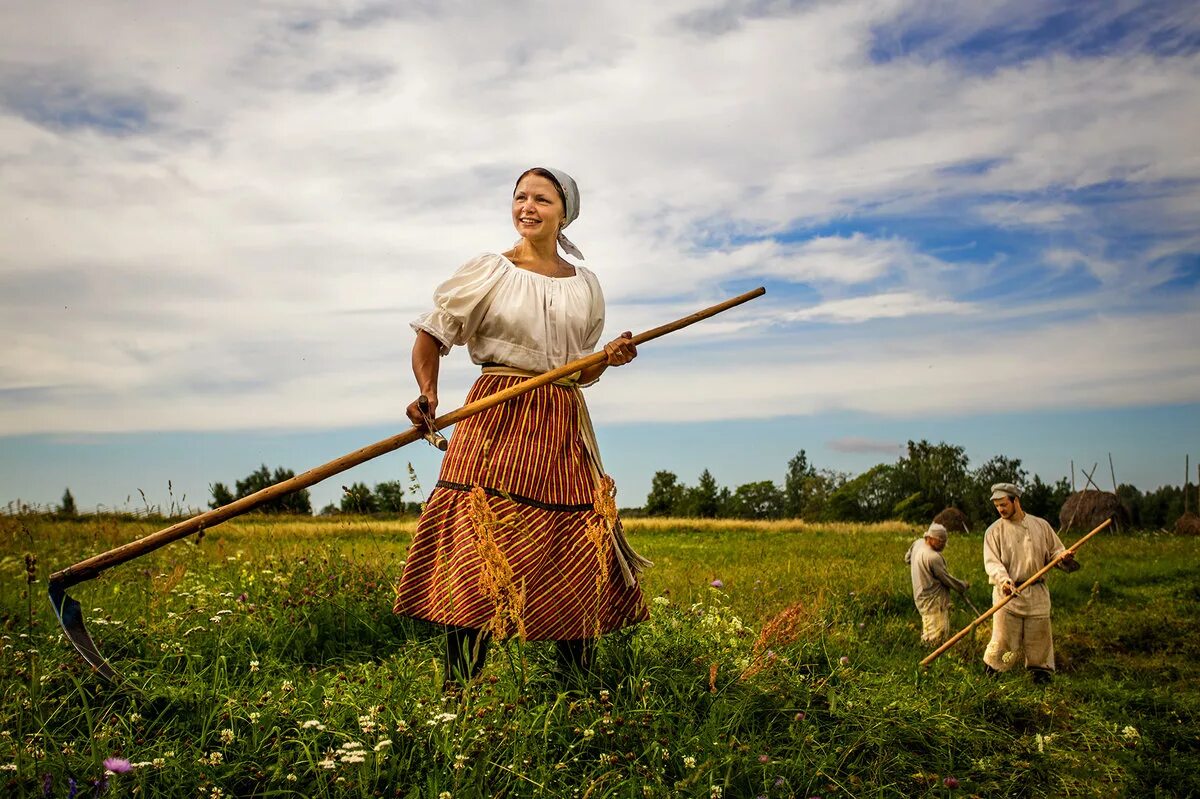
[[511, 316]]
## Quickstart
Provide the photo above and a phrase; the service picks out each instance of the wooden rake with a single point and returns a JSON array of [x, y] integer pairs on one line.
[[69, 611]]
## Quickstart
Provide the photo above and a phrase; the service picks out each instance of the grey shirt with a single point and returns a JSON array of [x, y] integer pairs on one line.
[[931, 582], [1016, 551]]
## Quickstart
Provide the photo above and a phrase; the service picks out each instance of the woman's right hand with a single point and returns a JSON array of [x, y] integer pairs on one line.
[[415, 415]]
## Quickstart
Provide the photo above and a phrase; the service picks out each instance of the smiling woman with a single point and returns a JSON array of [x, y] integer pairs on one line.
[[521, 536]]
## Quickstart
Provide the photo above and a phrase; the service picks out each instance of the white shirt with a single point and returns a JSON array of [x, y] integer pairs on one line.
[[1016, 551], [511, 316]]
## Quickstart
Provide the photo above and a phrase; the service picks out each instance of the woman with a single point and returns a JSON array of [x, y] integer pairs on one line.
[[520, 535]]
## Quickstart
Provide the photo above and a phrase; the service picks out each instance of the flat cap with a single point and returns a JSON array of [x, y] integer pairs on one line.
[[1002, 490], [937, 531]]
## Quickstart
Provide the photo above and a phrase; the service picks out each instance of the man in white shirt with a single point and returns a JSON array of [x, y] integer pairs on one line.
[[1015, 548], [931, 584]]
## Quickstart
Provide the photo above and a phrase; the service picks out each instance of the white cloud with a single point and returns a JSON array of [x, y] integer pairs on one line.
[[893, 305]]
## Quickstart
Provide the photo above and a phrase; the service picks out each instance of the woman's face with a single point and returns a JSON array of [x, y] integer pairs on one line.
[[537, 211]]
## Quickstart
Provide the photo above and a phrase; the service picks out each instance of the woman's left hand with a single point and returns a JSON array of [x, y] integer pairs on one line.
[[621, 350]]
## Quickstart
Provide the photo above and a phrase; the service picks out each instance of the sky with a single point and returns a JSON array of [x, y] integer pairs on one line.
[[976, 223]]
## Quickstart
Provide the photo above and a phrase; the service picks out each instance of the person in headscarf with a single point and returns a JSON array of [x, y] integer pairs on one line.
[[1015, 548], [932, 583], [520, 535]]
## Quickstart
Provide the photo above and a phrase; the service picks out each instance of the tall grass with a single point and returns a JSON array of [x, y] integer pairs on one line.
[[264, 661]]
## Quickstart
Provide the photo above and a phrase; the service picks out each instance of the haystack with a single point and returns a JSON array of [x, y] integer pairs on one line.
[[1188, 524], [1085, 510], [953, 520]]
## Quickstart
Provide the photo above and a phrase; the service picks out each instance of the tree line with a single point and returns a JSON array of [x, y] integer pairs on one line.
[[387, 497], [922, 482]]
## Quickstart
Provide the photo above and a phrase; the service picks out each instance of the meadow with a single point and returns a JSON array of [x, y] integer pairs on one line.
[[780, 661]]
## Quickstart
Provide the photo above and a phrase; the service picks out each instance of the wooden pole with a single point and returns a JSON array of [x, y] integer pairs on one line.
[[1113, 472], [988, 613], [93, 566]]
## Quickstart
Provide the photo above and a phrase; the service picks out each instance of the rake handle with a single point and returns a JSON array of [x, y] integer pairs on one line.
[[988, 613], [93, 566]]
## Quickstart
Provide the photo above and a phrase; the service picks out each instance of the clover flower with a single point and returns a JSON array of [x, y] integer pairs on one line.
[[717, 584]]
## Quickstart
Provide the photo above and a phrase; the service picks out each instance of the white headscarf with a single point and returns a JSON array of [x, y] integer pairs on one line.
[[570, 211]]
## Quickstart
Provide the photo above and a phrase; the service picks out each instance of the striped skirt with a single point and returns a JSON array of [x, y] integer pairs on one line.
[[512, 539]]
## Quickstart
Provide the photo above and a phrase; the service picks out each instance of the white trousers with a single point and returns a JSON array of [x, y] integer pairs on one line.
[[1012, 635]]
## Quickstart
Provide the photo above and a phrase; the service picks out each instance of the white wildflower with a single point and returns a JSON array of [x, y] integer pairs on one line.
[[327, 763], [254, 665], [689, 762], [384, 744], [227, 737]]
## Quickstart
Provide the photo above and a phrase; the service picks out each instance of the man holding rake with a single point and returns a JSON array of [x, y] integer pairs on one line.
[[931, 583], [1015, 548]]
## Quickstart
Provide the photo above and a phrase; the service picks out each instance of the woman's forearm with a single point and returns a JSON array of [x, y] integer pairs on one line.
[[592, 373], [426, 359]]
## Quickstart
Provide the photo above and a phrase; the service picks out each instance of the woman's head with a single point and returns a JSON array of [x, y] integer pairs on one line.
[[545, 201]]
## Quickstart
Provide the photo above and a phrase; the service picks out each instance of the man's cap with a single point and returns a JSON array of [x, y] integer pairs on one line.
[[937, 531], [1002, 490]]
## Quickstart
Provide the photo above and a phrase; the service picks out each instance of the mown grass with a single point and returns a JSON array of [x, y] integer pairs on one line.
[[261, 659]]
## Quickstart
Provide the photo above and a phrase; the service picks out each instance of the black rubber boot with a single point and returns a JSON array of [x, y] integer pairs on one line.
[[466, 652], [1041, 676]]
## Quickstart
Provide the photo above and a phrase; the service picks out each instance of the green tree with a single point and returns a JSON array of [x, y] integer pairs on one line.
[[665, 494], [358, 499], [928, 478], [865, 498], [389, 497], [798, 486], [67, 508], [704, 500], [818, 488], [297, 502], [760, 500], [221, 495]]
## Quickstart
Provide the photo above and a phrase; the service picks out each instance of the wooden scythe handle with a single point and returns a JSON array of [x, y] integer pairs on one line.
[[93, 566], [988, 613]]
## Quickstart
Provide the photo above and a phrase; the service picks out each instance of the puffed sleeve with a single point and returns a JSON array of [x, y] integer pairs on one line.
[[460, 303], [597, 313]]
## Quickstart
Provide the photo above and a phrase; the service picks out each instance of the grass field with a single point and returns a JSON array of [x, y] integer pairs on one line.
[[264, 661]]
